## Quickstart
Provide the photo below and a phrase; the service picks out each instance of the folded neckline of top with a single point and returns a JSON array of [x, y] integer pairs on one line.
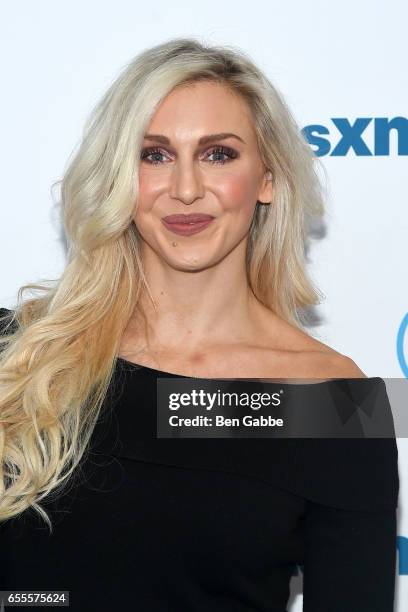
[[139, 366]]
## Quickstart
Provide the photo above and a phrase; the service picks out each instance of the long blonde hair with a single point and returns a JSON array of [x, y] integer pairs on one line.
[[57, 363]]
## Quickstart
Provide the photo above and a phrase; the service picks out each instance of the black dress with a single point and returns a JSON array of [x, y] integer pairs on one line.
[[198, 525]]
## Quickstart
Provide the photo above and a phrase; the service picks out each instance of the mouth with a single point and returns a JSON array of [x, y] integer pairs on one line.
[[191, 218], [186, 225]]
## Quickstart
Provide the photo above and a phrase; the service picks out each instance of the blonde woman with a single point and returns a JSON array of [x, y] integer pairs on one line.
[[186, 209]]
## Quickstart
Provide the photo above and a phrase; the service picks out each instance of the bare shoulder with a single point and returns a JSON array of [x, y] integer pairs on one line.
[[322, 361], [330, 364], [311, 358]]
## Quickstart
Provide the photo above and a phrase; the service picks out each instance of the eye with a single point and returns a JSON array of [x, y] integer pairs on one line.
[[146, 153], [223, 155], [219, 151]]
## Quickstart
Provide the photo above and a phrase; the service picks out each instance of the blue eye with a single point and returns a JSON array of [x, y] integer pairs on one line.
[[226, 153], [229, 153], [146, 153]]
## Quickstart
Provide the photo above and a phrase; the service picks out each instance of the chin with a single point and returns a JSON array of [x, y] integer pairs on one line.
[[189, 264]]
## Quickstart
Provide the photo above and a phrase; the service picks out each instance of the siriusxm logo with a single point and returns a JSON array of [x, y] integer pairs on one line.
[[402, 544], [352, 137], [400, 345], [402, 568]]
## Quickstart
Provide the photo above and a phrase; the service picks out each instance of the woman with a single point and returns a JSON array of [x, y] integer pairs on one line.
[[186, 209]]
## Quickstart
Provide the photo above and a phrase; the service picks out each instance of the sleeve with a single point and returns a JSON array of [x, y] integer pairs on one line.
[[349, 560], [349, 524]]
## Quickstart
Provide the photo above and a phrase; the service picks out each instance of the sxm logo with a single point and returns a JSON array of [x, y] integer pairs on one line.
[[351, 136], [402, 547], [400, 345]]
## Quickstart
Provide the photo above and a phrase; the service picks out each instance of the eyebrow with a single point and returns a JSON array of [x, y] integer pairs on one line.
[[203, 140]]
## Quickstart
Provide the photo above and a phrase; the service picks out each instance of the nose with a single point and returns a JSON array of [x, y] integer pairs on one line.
[[186, 182]]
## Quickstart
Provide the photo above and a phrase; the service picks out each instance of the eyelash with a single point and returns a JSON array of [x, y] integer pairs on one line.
[[231, 154]]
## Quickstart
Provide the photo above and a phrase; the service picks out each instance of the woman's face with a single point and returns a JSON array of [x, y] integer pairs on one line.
[[180, 174]]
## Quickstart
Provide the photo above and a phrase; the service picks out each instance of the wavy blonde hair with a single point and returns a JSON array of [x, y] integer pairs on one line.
[[57, 363]]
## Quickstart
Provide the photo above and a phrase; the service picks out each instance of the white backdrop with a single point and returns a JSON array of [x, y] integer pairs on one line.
[[332, 61]]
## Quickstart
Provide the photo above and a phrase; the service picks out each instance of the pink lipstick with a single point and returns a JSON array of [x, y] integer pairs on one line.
[[186, 225]]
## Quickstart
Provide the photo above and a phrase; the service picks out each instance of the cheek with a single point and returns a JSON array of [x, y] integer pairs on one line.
[[238, 193], [147, 190]]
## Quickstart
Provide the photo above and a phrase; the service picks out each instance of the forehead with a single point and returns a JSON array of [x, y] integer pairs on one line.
[[194, 109]]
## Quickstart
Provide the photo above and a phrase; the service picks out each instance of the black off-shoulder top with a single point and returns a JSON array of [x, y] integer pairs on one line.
[[197, 525]]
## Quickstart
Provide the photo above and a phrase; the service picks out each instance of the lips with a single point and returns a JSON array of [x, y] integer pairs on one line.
[[187, 219], [187, 225]]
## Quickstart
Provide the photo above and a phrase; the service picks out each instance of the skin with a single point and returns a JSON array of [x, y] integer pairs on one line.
[[208, 323]]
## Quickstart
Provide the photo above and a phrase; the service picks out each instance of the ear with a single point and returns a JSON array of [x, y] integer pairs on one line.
[[266, 191]]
